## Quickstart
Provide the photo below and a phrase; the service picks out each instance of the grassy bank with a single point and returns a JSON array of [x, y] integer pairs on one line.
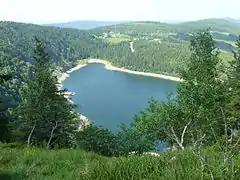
[[77, 164]]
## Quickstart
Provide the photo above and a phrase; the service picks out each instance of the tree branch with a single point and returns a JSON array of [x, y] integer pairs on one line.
[[184, 130], [176, 139], [53, 129], [30, 135]]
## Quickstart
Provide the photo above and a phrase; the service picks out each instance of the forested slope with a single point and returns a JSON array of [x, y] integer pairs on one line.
[[64, 46], [161, 47], [218, 25], [148, 56], [224, 32], [158, 47]]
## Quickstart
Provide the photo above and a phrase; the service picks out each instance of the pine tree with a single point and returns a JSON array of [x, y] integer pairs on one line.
[[4, 129], [45, 115]]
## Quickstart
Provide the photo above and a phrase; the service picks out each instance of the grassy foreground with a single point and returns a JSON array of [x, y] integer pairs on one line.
[[16, 163]]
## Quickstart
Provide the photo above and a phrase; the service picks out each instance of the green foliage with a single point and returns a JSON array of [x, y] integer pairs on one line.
[[4, 78], [129, 140], [105, 142], [234, 89], [147, 27], [13, 67], [197, 112], [11, 73], [98, 140], [160, 119], [148, 56], [4, 119], [64, 46], [116, 40], [44, 115], [202, 95]]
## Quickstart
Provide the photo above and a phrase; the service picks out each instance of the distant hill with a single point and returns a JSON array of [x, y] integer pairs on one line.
[[225, 31], [218, 25], [233, 20], [85, 24]]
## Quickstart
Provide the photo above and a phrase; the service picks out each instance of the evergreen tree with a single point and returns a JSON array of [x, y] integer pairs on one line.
[[4, 120], [45, 115]]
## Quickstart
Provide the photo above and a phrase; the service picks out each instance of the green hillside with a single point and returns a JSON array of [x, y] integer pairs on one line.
[[161, 47], [64, 46], [222, 30], [158, 47], [219, 25]]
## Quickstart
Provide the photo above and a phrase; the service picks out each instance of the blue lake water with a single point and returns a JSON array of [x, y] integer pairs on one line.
[[109, 98]]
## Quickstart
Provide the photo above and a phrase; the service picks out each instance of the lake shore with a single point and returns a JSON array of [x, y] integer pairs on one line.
[[84, 121], [109, 66], [65, 75]]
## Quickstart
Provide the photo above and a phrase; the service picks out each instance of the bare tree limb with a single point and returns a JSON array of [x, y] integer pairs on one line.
[[53, 142], [174, 136], [184, 130], [53, 129], [225, 129], [30, 135], [199, 140], [176, 139]]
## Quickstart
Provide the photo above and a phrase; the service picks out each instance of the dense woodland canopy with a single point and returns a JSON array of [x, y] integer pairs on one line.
[[64, 46], [202, 120]]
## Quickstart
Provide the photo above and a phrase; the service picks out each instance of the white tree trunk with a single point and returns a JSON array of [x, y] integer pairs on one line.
[[30, 135], [51, 136]]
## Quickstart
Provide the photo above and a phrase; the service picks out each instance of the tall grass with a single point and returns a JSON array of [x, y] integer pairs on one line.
[[34, 164]]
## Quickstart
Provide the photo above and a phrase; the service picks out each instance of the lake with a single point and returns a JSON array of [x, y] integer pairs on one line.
[[109, 98]]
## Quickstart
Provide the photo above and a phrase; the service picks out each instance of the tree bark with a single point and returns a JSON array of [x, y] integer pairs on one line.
[[53, 129], [30, 135]]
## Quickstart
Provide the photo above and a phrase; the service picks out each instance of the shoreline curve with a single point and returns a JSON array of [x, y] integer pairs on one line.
[[110, 67]]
